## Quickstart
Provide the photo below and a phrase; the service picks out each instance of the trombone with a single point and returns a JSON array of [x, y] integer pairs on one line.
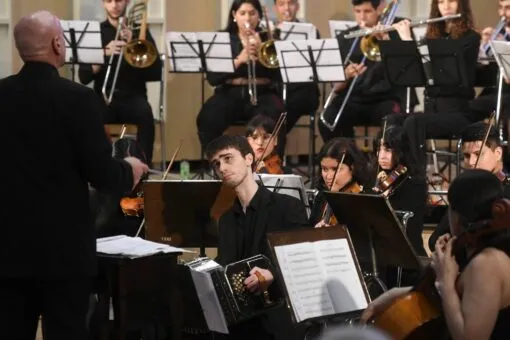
[[139, 52], [499, 27], [252, 74], [387, 18]]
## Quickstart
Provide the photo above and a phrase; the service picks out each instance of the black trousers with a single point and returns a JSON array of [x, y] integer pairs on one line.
[[443, 118], [302, 100], [134, 109], [230, 104], [355, 113], [62, 303]]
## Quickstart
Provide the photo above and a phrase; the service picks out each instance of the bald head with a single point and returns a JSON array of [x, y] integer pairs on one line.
[[39, 37]]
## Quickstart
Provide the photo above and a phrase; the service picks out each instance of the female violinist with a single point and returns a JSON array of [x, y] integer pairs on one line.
[[344, 168], [258, 133], [397, 181]]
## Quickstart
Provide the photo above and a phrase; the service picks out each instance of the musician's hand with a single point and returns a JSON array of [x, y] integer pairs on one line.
[[139, 169], [442, 241], [353, 70], [507, 81], [96, 68], [126, 34], [253, 283], [114, 47], [322, 224], [403, 28], [381, 36], [253, 44], [486, 34], [445, 266], [380, 304]]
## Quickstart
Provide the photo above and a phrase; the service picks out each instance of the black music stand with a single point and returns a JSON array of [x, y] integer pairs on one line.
[[297, 31], [375, 229], [310, 61], [179, 212], [83, 43]]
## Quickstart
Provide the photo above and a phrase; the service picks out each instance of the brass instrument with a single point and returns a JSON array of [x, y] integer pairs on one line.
[[499, 27], [267, 55], [138, 52], [369, 44], [252, 74]]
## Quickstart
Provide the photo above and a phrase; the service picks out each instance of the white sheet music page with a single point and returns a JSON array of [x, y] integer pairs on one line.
[[337, 26], [294, 60], [181, 53], [340, 275], [219, 52], [501, 51], [297, 31], [304, 278], [88, 39]]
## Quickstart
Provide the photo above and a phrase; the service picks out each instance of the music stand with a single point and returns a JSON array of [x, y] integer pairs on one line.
[[337, 27], [375, 229], [297, 31], [291, 185], [200, 52], [310, 61], [501, 52], [179, 212], [83, 43]]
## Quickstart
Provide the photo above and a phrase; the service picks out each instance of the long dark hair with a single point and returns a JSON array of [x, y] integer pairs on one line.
[[354, 159], [459, 27], [231, 25]]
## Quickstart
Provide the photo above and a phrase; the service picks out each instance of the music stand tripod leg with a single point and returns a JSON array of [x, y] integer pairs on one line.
[[373, 277]]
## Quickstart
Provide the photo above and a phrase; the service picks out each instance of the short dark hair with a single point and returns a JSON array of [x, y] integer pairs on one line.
[[228, 142], [374, 3], [472, 194], [260, 122], [477, 131]]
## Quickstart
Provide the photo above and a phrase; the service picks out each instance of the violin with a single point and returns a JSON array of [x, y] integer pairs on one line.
[[328, 216], [386, 182], [132, 206], [272, 164]]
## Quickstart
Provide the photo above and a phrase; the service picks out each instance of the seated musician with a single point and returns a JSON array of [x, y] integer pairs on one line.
[[231, 101], [398, 182], [446, 107], [475, 295], [344, 168], [258, 132], [302, 99], [243, 228], [373, 97], [129, 103], [487, 157]]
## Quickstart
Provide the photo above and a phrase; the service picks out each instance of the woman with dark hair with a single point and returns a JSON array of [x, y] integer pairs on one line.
[[231, 101], [344, 168], [446, 106], [475, 295], [258, 132], [396, 178]]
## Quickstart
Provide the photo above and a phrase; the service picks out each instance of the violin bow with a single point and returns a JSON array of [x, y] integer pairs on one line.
[[165, 174], [491, 118], [123, 131], [377, 153], [276, 130]]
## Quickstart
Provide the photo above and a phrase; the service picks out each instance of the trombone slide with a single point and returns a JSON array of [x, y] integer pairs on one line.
[[109, 96]]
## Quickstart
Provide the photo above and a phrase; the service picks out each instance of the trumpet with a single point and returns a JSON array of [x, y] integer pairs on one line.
[[139, 52]]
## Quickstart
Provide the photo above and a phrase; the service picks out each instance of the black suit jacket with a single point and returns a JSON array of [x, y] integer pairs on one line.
[[54, 145]]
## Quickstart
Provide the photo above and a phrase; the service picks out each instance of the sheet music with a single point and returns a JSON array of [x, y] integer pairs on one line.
[[294, 57], [337, 26], [297, 31], [183, 51], [133, 247], [321, 278], [501, 51], [88, 39], [209, 302]]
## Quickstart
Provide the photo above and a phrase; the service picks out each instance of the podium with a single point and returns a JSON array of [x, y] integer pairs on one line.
[[179, 212], [83, 43]]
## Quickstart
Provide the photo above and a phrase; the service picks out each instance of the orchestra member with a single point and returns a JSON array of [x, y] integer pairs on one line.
[[129, 102], [231, 101], [302, 99], [344, 168], [48, 259], [397, 180], [373, 97], [242, 229], [489, 157], [446, 107], [258, 132], [475, 294]]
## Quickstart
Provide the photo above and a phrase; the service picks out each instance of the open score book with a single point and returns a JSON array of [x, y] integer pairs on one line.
[[321, 278]]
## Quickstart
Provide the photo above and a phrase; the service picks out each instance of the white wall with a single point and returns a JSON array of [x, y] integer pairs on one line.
[[5, 41]]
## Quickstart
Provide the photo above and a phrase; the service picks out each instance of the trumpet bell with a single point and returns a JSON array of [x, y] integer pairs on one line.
[[140, 53], [267, 55], [370, 48]]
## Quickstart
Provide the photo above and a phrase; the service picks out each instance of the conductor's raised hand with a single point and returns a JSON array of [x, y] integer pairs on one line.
[[138, 167]]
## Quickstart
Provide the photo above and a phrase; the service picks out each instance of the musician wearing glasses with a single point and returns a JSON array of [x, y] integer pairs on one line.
[[446, 107], [302, 99], [373, 97], [234, 99], [129, 103]]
